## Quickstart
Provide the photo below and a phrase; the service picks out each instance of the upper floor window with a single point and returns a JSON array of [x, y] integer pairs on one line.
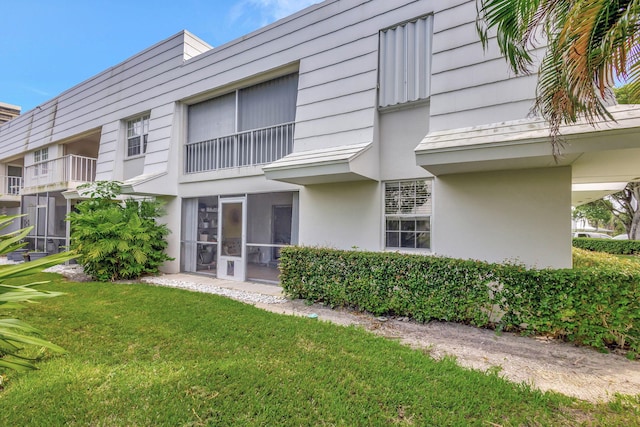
[[40, 158], [137, 135], [407, 209], [405, 62], [249, 126]]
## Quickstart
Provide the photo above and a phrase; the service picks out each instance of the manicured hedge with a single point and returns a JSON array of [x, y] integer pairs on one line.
[[610, 246], [599, 307]]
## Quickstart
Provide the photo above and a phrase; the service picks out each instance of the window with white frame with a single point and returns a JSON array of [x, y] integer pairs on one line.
[[40, 158], [137, 135], [249, 126], [407, 210], [405, 62]]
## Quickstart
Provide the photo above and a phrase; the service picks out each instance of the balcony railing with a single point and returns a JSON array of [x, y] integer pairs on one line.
[[62, 170], [254, 147], [11, 185]]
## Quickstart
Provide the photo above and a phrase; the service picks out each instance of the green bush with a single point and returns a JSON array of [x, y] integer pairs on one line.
[[597, 306], [117, 239], [610, 246], [587, 259]]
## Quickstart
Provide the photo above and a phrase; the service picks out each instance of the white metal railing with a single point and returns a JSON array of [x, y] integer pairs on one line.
[[254, 147], [61, 170], [11, 185]]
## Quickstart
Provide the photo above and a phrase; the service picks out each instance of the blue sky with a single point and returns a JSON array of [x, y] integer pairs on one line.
[[48, 46]]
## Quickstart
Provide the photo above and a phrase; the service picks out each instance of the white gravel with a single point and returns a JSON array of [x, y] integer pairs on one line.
[[250, 297], [75, 272]]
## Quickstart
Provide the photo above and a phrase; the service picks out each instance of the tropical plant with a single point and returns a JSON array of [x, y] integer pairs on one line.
[[14, 333], [117, 239], [597, 213], [589, 44], [625, 95]]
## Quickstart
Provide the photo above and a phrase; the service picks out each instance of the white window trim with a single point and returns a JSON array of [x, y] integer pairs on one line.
[[414, 216], [144, 120], [40, 159]]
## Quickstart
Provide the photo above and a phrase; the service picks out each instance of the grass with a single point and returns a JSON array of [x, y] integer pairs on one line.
[[141, 355]]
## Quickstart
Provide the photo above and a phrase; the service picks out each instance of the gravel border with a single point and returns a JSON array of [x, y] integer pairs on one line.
[[75, 272], [250, 297]]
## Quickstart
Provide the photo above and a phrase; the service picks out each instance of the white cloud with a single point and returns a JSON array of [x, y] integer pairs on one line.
[[38, 91], [264, 12], [281, 8]]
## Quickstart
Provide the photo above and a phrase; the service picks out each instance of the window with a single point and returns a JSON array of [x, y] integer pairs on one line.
[[250, 126], [14, 179], [407, 209], [137, 135], [40, 158], [405, 62]]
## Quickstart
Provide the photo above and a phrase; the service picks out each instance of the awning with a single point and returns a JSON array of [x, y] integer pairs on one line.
[[156, 184], [327, 165], [525, 143], [141, 185]]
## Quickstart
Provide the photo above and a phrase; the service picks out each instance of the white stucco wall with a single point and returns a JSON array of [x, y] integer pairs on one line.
[[341, 216], [522, 216], [173, 209], [398, 132]]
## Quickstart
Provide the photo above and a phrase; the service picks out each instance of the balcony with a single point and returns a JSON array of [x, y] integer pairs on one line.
[[254, 147], [59, 174], [10, 189]]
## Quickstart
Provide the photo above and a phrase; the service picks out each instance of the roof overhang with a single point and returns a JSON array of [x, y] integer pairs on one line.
[[155, 184], [142, 185], [585, 193], [524, 143], [323, 166]]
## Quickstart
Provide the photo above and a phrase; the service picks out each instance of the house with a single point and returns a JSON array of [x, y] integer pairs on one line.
[[363, 124]]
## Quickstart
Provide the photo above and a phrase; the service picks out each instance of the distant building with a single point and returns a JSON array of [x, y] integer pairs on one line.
[[8, 112]]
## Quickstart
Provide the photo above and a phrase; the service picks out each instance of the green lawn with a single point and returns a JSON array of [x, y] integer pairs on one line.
[[144, 355]]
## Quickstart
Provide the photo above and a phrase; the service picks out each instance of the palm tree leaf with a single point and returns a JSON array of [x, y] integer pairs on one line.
[[35, 266], [590, 44], [15, 337], [17, 365]]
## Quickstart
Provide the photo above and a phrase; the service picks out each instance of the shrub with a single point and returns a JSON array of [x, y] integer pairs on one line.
[[597, 306], [610, 246], [117, 239], [588, 259]]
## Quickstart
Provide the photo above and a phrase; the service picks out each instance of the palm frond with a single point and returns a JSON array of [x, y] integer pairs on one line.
[[590, 44]]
